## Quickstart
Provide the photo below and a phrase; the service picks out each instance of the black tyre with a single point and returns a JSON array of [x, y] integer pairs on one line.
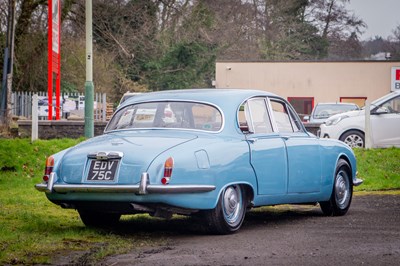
[[98, 219], [354, 139], [342, 192], [228, 215]]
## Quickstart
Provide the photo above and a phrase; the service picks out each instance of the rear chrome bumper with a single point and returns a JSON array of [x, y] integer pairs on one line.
[[142, 189]]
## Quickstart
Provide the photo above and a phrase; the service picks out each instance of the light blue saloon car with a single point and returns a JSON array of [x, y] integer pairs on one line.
[[213, 153]]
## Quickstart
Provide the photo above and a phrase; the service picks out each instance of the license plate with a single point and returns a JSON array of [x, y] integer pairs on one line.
[[102, 170]]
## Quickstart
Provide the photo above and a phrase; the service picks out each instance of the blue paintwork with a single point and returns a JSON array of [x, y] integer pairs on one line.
[[278, 168]]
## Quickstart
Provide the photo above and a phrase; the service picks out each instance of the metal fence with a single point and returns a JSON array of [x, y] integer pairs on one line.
[[71, 105]]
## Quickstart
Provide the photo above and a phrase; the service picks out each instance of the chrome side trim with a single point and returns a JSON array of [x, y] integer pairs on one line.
[[170, 189]]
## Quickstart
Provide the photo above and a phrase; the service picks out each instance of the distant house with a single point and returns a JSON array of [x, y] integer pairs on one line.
[[306, 83]]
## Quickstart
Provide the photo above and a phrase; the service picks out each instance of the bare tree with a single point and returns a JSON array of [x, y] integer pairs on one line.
[[333, 19], [393, 44], [174, 43]]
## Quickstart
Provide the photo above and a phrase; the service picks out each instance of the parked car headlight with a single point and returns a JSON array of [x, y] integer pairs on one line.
[[336, 120]]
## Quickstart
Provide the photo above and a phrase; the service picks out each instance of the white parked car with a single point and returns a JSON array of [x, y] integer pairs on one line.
[[349, 127], [322, 111]]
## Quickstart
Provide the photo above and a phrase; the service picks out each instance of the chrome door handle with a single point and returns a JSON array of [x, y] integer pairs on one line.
[[253, 140]]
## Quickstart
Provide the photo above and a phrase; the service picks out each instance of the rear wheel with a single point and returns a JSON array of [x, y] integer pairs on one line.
[[342, 192], [98, 219], [354, 139], [228, 215]]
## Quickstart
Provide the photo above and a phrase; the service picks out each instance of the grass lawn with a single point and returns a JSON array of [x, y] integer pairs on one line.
[[33, 230], [379, 168]]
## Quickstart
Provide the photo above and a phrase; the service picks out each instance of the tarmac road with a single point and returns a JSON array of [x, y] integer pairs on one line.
[[287, 235]]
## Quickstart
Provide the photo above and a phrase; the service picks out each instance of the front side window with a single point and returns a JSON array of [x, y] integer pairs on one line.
[[393, 106], [285, 119], [168, 114]]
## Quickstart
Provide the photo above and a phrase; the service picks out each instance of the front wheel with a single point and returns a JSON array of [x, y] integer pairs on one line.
[[353, 138], [228, 215], [342, 192]]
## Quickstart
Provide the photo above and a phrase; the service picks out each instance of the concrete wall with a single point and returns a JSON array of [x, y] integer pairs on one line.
[[58, 129], [325, 81]]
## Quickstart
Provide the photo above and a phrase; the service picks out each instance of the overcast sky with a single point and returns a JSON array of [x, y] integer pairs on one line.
[[381, 16]]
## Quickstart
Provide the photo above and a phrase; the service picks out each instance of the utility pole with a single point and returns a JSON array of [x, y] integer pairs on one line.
[[367, 135], [5, 104], [89, 87]]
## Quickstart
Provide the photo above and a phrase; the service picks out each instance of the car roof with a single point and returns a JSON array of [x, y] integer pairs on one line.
[[340, 103], [386, 97], [228, 100], [214, 96]]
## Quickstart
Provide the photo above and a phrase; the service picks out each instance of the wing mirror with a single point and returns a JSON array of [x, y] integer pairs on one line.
[[306, 118], [379, 111]]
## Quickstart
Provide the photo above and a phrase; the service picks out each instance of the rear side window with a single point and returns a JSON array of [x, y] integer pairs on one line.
[[254, 117], [285, 119]]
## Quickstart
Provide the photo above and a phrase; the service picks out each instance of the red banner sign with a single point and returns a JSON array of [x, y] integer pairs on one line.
[[54, 56]]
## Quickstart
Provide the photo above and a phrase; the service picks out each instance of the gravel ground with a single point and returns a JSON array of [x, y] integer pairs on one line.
[[299, 235]]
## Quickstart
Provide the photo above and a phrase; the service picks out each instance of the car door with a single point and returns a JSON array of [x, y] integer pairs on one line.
[[303, 150], [268, 152], [385, 124]]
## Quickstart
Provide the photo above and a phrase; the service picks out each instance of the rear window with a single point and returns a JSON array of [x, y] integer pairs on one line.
[[183, 115], [327, 110]]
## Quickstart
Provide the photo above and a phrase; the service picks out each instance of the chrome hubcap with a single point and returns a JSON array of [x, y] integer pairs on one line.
[[232, 204], [354, 141], [342, 190]]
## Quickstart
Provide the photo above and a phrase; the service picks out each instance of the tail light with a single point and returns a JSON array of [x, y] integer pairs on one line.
[[48, 168], [168, 165]]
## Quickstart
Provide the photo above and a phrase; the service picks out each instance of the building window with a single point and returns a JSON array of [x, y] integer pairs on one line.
[[302, 105], [360, 101]]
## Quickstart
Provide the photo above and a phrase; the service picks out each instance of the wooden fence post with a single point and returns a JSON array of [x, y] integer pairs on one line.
[[35, 126]]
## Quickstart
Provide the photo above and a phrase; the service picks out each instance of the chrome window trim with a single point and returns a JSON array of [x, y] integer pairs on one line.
[[160, 128]]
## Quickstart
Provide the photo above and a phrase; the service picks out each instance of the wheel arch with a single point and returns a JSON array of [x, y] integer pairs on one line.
[[249, 193], [342, 190], [350, 164], [229, 213], [248, 188], [351, 129]]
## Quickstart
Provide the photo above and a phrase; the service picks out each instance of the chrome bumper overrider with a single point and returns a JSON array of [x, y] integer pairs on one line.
[[143, 188], [358, 181]]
